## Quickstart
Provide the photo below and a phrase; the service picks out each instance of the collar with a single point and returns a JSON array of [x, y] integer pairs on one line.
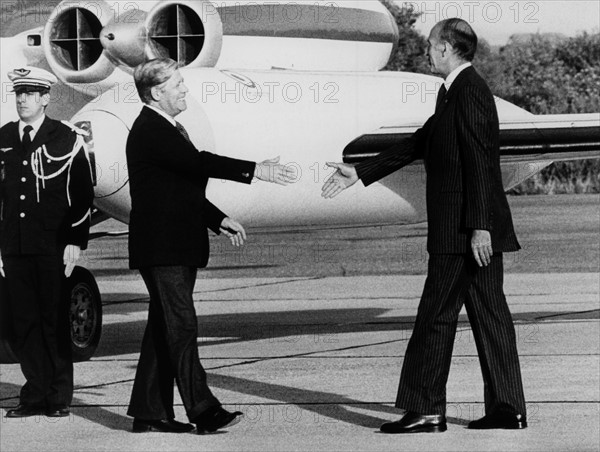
[[452, 76], [163, 114], [36, 126]]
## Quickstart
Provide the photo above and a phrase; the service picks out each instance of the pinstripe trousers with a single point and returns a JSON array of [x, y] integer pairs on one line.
[[454, 280]]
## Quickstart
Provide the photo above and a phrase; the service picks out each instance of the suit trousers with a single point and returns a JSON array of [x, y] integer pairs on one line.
[[40, 329], [454, 280], [169, 349]]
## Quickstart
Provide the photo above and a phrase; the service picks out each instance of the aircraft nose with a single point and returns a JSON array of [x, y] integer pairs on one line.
[[106, 140]]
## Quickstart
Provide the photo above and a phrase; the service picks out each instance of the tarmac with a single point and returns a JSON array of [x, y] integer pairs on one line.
[[313, 363]]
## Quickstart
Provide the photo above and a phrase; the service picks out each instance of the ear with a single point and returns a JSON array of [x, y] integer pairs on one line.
[[155, 93], [448, 48], [45, 99]]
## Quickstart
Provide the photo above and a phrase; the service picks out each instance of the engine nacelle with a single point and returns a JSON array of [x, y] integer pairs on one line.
[[190, 33], [101, 42], [72, 42]]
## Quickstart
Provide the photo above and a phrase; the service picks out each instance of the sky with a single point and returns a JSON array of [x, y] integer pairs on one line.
[[496, 21]]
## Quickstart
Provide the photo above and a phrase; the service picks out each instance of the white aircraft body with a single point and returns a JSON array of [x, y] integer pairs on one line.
[[296, 79]]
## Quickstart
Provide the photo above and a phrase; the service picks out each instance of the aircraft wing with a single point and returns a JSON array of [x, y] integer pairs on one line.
[[526, 145]]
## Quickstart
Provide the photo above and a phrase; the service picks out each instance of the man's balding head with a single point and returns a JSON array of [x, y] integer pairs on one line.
[[459, 34]]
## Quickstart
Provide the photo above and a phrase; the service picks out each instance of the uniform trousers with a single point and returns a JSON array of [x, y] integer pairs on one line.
[[169, 349], [41, 334], [454, 280]]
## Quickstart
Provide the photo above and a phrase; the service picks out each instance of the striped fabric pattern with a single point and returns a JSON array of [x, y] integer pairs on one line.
[[460, 148], [452, 281], [459, 145]]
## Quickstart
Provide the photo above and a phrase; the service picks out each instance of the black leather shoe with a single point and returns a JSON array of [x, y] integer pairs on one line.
[[416, 423], [162, 425], [62, 411], [24, 411], [215, 419], [499, 420]]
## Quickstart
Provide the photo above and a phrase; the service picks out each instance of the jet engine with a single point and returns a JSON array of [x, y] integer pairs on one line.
[[190, 33], [101, 42], [72, 42]]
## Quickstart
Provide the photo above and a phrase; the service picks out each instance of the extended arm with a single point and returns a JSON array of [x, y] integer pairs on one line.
[[190, 162], [376, 168]]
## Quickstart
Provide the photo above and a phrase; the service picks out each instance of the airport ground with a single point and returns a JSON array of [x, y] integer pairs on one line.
[[305, 331]]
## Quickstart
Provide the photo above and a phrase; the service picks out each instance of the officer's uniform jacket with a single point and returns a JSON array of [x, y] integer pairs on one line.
[[46, 191]]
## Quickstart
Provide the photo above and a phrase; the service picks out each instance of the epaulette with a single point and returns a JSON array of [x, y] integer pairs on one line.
[[75, 129]]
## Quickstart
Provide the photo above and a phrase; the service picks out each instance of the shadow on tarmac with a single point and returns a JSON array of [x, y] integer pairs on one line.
[[125, 337], [95, 414]]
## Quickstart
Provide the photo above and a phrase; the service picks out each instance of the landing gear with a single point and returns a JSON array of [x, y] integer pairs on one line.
[[85, 313], [84, 317]]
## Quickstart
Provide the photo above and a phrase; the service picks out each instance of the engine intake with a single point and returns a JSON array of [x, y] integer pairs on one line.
[[190, 34], [72, 42], [85, 41], [176, 32]]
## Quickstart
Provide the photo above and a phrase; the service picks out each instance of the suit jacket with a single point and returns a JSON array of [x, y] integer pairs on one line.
[[29, 226], [169, 210], [460, 147]]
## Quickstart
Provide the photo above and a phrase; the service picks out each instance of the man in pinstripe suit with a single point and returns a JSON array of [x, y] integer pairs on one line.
[[469, 227]]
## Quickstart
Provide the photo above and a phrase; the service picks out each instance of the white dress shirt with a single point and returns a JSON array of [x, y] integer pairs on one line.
[[452, 76], [35, 124]]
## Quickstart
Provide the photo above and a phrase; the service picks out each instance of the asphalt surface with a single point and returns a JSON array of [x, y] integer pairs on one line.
[[310, 347]]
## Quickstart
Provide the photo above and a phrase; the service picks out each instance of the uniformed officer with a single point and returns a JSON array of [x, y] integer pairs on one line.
[[46, 193]]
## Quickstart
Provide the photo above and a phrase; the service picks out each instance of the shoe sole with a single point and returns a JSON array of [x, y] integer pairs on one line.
[[231, 423], [150, 429], [500, 427], [428, 429], [20, 416]]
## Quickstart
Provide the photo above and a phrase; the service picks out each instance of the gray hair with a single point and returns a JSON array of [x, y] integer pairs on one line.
[[153, 73]]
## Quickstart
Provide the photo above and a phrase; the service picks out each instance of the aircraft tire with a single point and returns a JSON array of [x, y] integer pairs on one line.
[[85, 313]]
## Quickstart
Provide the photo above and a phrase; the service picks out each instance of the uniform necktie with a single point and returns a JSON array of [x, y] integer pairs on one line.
[[26, 137], [440, 98], [183, 131]]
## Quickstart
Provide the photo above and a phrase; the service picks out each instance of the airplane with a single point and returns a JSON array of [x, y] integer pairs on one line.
[[300, 79]]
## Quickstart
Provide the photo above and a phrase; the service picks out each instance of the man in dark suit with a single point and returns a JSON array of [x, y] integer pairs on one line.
[[469, 227], [46, 193], [168, 242]]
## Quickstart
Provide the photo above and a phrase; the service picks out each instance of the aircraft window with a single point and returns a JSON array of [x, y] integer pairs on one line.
[[177, 32], [34, 40], [75, 38]]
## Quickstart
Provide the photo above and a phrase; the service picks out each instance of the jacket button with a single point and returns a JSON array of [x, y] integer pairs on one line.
[[25, 162], [23, 179], [22, 197], [22, 215]]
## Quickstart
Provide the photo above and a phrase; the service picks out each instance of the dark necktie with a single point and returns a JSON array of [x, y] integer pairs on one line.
[[440, 98], [26, 137], [183, 131]]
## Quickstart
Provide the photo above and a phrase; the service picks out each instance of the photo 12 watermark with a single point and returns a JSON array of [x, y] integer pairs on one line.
[[473, 11]]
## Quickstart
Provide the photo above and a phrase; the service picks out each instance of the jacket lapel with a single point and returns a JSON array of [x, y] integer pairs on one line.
[[457, 83], [46, 129], [448, 99]]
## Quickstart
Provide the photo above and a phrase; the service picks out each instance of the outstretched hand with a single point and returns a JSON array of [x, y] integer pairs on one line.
[[344, 177], [272, 171], [233, 230]]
